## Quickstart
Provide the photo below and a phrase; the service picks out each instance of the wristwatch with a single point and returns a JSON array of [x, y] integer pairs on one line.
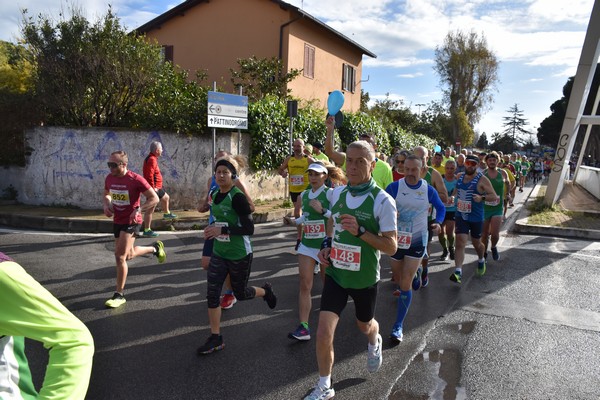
[[361, 231]]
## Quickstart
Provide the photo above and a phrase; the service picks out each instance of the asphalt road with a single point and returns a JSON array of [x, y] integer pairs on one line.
[[528, 329]]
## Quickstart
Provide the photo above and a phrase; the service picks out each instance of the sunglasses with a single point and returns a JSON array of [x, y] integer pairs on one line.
[[471, 163], [113, 164]]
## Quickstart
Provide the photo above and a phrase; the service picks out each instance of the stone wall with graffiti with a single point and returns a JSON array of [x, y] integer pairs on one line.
[[68, 166]]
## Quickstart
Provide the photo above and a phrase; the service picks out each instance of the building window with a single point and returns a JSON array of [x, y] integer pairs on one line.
[[309, 61], [348, 78], [167, 53]]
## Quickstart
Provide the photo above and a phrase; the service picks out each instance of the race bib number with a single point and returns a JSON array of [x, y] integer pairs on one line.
[[492, 203], [345, 256], [463, 206], [297, 180], [404, 240], [449, 201], [314, 229], [222, 238], [119, 197]]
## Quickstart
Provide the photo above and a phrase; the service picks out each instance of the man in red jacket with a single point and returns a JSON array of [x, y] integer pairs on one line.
[[154, 177]]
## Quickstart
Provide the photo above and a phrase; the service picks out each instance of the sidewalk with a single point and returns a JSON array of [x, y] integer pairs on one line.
[[62, 219], [584, 225]]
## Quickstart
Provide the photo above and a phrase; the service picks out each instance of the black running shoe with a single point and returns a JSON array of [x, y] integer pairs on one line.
[[270, 297], [444, 255], [495, 254], [451, 251], [212, 344]]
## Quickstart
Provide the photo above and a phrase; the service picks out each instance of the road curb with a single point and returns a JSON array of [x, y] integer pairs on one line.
[[521, 225], [80, 225]]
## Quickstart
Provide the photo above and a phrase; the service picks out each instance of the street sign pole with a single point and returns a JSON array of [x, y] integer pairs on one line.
[[239, 132], [214, 130]]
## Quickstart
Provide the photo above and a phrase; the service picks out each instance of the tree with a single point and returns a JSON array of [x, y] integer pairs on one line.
[[435, 122], [514, 125], [482, 142], [89, 74], [260, 77], [468, 73], [394, 112]]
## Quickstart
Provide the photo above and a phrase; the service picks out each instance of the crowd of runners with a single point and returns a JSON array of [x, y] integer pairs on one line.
[[349, 208]]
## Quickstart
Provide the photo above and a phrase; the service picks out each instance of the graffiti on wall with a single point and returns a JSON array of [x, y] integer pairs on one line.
[[70, 157], [71, 160]]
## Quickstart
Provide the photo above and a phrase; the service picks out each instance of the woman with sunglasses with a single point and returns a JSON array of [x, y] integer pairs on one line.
[[398, 170]]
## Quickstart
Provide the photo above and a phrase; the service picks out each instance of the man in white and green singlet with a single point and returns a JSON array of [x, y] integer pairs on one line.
[[363, 224]]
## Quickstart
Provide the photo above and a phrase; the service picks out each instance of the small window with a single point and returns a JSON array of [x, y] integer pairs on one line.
[[167, 53], [348, 78], [309, 61]]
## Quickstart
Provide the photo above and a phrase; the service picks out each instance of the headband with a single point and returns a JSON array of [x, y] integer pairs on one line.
[[228, 165]]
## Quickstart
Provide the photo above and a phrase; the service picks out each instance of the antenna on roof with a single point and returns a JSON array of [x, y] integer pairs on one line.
[[302, 5]]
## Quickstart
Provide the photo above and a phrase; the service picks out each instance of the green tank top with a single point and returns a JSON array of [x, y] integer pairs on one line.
[[313, 229], [229, 247], [498, 185], [354, 263]]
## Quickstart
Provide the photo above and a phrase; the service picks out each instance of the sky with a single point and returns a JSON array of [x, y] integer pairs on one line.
[[537, 43]]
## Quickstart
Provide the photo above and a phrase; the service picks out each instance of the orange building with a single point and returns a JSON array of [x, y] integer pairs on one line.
[[212, 35]]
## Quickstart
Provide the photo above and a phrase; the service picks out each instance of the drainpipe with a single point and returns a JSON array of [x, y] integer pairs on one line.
[[281, 28]]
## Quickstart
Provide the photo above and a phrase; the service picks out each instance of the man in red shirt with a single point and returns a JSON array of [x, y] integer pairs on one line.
[[154, 178], [122, 191]]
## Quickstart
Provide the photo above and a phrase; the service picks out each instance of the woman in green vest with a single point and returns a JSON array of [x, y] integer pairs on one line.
[[232, 250]]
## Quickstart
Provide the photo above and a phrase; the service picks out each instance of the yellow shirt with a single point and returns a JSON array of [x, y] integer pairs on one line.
[[298, 174]]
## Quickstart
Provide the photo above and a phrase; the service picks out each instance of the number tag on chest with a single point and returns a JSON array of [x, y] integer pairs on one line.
[[404, 240], [225, 237], [493, 203], [463, 206], [297, 180], [314, 229], [119, 197], [345, 256]]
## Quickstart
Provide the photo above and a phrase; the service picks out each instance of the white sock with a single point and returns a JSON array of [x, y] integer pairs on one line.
[[458, 269], [325, 382], [482, 260]]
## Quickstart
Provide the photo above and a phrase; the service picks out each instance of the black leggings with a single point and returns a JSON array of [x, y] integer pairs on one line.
[[239, 272]]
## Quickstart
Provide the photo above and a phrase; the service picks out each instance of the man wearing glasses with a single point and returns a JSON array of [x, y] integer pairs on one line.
[[122, 190]]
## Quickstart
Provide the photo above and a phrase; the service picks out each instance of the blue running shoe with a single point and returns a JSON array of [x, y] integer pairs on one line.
[[416, 283], [397, 334], [495, 254], [301, 333], [424, 280]]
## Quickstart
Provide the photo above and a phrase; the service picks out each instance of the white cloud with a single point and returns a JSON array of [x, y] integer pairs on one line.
[[410, 76]]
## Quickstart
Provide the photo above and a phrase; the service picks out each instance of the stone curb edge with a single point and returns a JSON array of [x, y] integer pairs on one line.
[[79, 225], [521, 225]]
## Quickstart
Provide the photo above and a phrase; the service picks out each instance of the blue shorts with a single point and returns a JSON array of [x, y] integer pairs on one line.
[[464, 227], [413, 252], [207, 249]]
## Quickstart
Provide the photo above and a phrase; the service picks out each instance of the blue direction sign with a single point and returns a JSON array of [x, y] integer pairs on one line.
[[227, 110]]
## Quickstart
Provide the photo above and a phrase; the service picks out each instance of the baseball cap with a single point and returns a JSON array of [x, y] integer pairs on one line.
[[318, 145], [317, 168]]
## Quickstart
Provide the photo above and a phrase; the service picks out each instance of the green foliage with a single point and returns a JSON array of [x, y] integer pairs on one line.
[[355, 124], [260, 77], [173, 103], [468, 73], [268, 128], [89, 74], [482, 142], [16, 68]]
